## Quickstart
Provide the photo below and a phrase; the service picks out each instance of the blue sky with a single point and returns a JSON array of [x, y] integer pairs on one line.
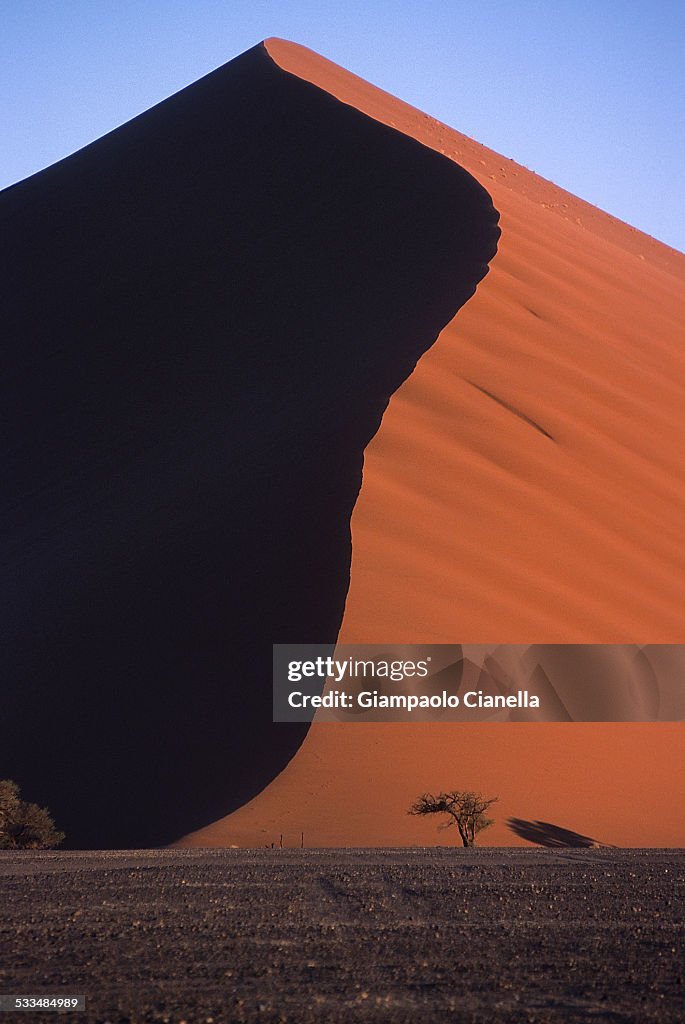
[[588, 94]]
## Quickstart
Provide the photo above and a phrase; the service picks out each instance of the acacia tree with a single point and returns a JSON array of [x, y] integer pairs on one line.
[[24, 826], [464, 809]]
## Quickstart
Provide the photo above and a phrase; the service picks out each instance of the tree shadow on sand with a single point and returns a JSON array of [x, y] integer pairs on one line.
[[545, 834]]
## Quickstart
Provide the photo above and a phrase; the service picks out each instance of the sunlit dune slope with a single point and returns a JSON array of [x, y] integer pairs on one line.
[[527, 485]]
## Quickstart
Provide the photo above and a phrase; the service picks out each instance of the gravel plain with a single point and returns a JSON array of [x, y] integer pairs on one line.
[[404, 935]]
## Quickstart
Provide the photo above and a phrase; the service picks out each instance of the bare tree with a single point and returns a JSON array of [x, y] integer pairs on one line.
[[464, 809]]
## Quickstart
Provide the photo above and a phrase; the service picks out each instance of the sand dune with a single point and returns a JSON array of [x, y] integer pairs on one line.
[[207, 311], [527, 485]]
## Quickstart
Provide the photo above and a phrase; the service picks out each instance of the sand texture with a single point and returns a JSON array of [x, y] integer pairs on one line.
[[526, 485]]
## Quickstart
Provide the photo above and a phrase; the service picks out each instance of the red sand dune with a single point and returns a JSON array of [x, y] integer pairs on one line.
[[206, 312], [526, 486]]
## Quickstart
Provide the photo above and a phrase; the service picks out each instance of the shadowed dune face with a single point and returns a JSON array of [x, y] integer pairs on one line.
[[206, 312]]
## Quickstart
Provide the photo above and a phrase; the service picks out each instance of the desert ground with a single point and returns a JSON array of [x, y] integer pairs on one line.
[[401, 935]]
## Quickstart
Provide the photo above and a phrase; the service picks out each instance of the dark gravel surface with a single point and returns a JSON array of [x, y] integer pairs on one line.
[[347, 935]]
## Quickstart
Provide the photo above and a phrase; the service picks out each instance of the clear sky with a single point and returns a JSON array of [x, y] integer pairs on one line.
[[588, 93]]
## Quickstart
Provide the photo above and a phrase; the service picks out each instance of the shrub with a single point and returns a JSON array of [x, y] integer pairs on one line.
[[24, 826]]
